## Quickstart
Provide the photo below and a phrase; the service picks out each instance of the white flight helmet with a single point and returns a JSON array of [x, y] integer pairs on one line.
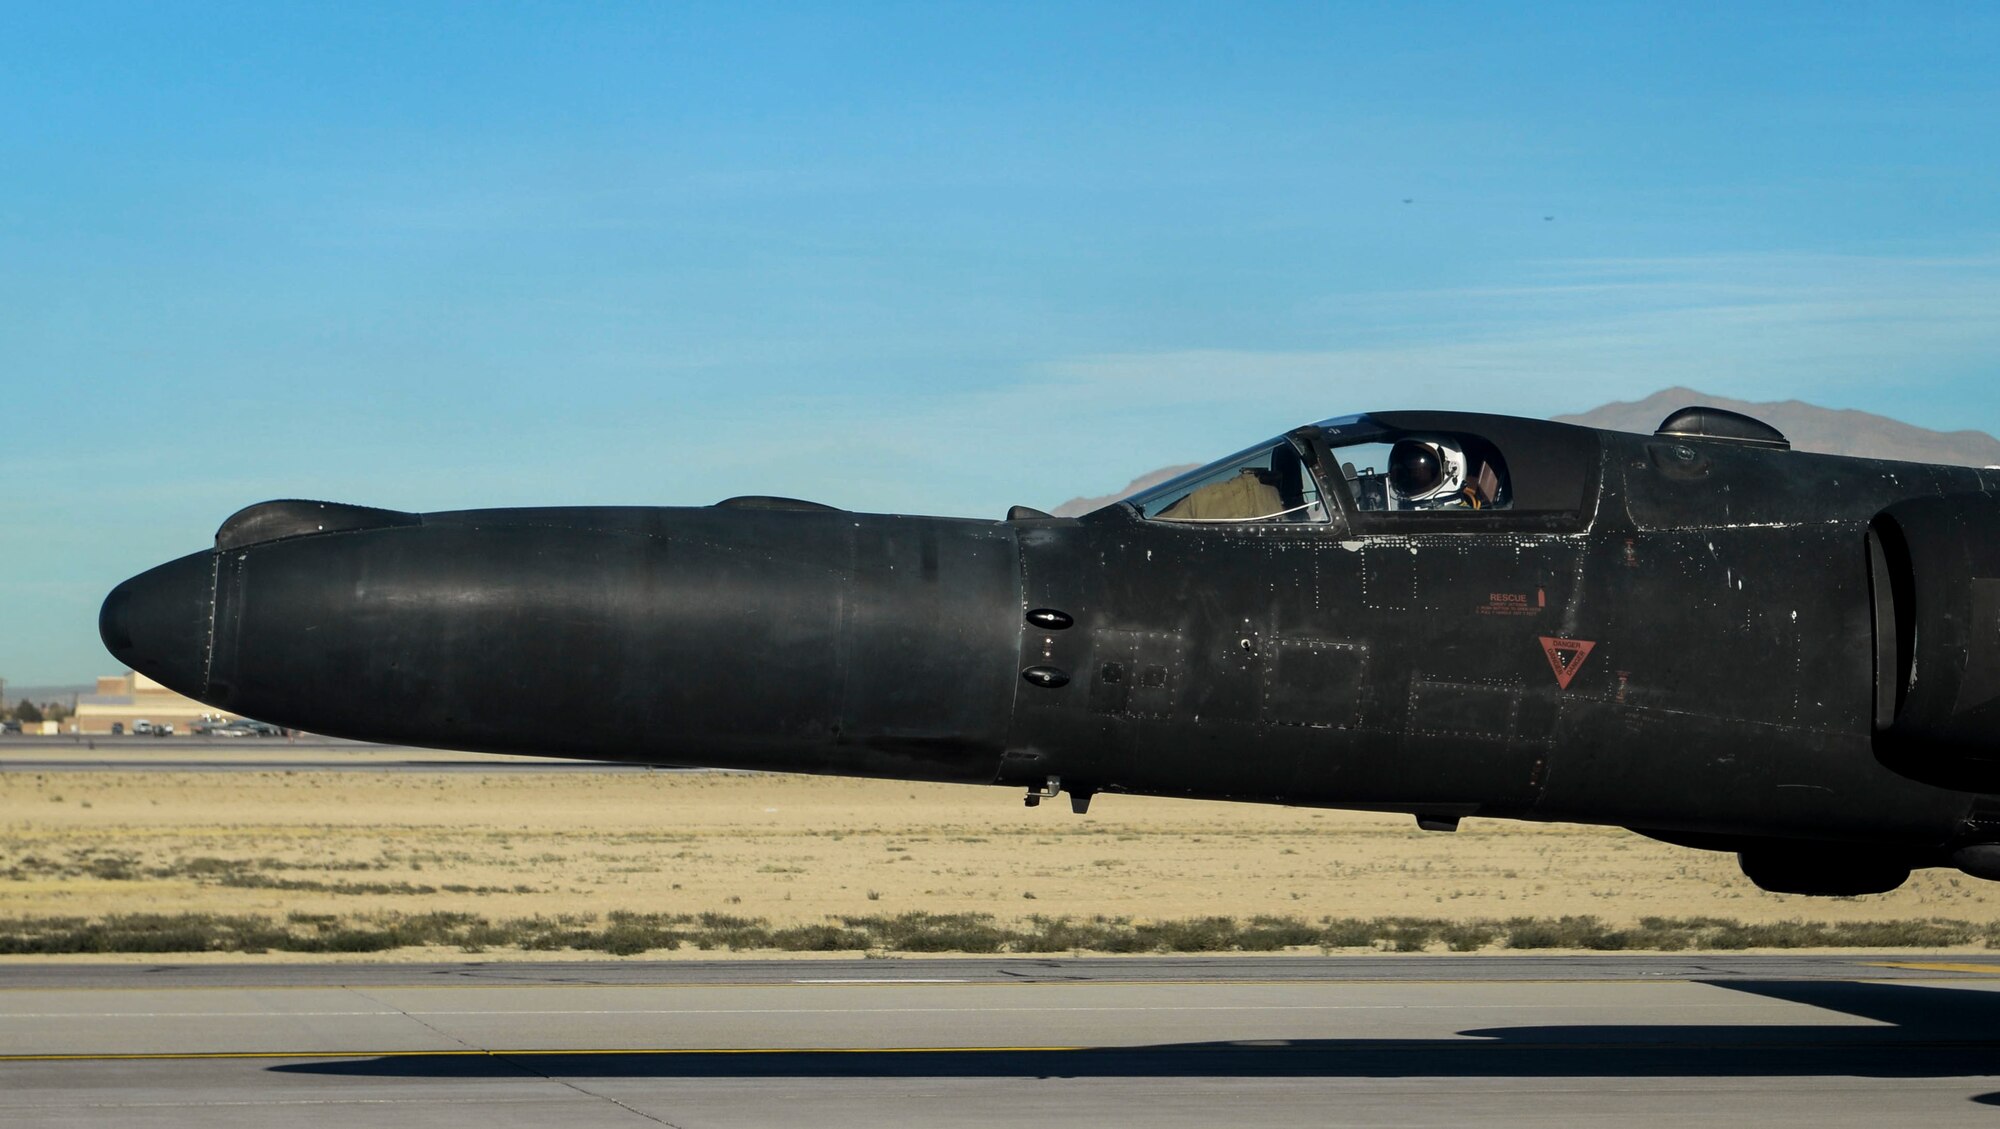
[[1425, 472]]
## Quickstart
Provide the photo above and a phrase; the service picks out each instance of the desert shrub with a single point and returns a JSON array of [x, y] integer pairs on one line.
[[1565, 932], [626, 933]]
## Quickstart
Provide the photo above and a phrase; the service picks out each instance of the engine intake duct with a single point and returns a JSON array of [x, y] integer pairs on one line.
[[1934, 579]]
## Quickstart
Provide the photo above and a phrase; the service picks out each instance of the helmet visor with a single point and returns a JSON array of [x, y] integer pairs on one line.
[[1415, 468]]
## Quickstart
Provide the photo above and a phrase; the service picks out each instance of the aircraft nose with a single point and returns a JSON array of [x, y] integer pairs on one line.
[[157, 623]]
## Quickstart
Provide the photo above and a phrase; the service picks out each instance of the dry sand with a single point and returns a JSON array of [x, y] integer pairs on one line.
[[795, 849]]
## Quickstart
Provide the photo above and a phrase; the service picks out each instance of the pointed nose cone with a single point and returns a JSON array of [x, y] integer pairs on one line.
[[157, 623]]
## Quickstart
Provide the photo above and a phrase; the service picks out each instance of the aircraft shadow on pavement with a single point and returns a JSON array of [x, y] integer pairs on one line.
[[1919, 1032]]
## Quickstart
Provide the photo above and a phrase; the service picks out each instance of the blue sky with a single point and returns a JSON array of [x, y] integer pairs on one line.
[[927, 257]]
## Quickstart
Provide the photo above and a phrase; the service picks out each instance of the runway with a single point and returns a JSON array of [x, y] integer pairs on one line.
[[1695, 1040], [308, 753]]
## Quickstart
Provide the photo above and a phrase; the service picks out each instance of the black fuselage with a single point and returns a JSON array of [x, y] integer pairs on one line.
[[1691, 650]]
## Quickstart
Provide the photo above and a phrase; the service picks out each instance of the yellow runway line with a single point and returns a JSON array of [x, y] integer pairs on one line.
[[1927, 966]]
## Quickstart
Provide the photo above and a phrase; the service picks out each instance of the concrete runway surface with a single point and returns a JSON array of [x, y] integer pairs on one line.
[[1691, 1040]]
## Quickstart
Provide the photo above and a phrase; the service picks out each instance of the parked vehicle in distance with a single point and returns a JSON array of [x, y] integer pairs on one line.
[[164, 729], [244, 727], [10, 727], [117, 729], [142, 727]]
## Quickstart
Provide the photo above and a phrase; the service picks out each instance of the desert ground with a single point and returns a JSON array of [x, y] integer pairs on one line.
[[796, 850]]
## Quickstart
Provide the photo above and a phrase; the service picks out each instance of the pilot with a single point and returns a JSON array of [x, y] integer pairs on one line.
[[1431, 472]]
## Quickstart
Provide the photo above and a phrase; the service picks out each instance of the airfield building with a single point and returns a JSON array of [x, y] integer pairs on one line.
[[123, 699]]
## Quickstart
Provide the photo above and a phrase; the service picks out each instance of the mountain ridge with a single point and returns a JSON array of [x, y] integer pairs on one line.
[[1826, 431]]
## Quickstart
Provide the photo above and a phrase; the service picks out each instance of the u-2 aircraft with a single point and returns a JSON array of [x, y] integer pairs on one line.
[[1700, 635]]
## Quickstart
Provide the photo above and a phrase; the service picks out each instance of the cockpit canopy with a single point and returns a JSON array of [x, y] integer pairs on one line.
[[1265, 483], [1385, 464]]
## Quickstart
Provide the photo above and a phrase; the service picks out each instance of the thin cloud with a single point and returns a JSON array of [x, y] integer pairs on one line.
[[1756, 327]]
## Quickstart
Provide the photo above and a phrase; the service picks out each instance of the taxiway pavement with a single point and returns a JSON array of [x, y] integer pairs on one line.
[[1684, 1040]]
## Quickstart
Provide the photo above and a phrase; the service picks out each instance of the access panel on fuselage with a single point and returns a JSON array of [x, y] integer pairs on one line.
[[1253, 662], [1162, 688], [1460, 689]]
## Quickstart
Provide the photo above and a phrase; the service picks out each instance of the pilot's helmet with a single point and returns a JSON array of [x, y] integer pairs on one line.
[[1426, 471]]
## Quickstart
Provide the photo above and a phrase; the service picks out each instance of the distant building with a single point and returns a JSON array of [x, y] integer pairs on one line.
[[122, 699]]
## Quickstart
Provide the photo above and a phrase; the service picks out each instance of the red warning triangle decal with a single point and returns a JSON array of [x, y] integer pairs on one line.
[[1566, 657]]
